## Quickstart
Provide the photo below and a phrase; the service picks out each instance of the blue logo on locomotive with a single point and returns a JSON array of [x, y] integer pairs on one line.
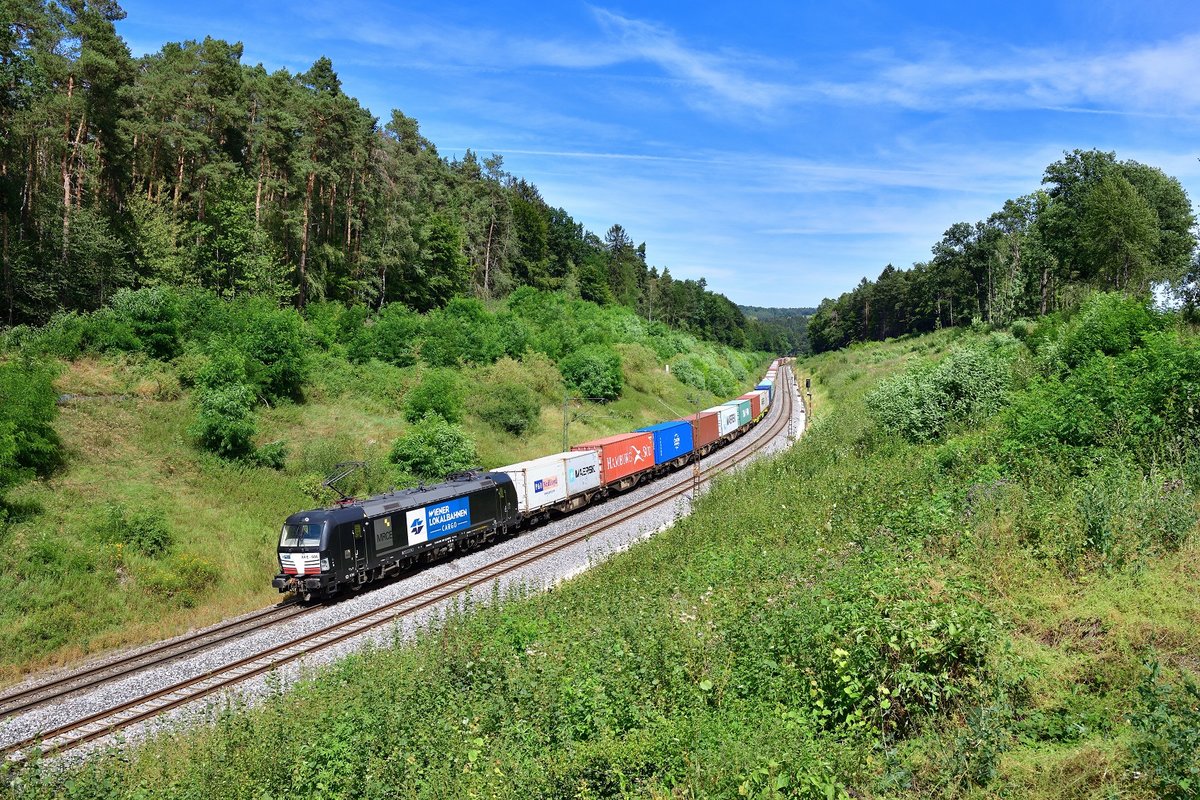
[[414, 530], [449, 517]]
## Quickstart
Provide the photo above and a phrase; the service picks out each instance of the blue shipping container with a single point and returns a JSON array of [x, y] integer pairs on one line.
[[671, 440], [770, 387]]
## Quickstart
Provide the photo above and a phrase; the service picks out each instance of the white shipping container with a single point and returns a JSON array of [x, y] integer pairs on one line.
[[764, 399], [539, 483], [583, 470], [727, 418]]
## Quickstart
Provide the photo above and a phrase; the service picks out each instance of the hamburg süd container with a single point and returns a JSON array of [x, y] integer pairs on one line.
[[622, 456], [743, 411], [672, 440], [727, 419]]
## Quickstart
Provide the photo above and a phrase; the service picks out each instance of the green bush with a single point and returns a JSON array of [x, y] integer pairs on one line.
[[153, 315], [29, 446], [689, 371], [506, 401], [183, 579], [439, 392], [225, 422], [272, 340], [594, 372], [1167, 747], [333, 326], [433, 448], [967, 386], [1145, 399], [1110, 324], [393, 336], [464, 332], [145, 531], [272, 455]]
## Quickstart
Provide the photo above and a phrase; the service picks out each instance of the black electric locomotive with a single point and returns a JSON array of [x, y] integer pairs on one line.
[[324, 551]]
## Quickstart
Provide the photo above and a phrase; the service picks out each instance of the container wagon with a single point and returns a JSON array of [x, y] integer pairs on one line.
[[559, 482]]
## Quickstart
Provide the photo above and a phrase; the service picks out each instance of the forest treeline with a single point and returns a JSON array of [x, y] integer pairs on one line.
[[1099, 224], [189, 168]]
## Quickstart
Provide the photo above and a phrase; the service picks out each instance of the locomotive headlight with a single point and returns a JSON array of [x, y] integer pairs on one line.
[[324, 565]]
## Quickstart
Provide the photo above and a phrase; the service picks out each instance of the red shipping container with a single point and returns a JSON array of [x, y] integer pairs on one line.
[[755, 403], [704, 428], [622, 455]]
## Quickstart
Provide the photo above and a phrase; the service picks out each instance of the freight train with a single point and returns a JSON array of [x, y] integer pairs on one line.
[[357, 541]]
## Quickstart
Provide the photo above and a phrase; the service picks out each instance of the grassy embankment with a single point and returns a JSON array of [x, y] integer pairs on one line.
[[951, 587], [129, 457]]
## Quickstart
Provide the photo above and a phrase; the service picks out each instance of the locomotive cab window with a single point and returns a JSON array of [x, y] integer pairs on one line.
[[307, 535]]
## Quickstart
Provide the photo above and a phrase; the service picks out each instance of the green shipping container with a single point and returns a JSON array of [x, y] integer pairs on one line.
[[743, 409]]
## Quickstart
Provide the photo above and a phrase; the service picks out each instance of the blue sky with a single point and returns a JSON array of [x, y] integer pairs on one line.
[[781, 150]]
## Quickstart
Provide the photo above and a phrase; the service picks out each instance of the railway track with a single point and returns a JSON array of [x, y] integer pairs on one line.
[[108, 721], [15, 703]]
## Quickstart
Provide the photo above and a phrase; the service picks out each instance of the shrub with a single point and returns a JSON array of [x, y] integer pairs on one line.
[[183, 579], [439, 392], [271, 455], [153, 315], [392, 336], [29, 445], [145, 531], [594, 371], [461, 333], [1144, 399], [332, 325], [272, 340], [507, 402], [433, 448], [1167, 747], [689, 371], [1106, 323], [224, 365], [225, 420], [967, 386]]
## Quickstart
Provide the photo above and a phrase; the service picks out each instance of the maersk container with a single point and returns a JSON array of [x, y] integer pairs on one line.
[[727, 419], [539, 483], [672, 440], [755, 404], [622, 456], [583, 471], [743, 411], [705, 428]]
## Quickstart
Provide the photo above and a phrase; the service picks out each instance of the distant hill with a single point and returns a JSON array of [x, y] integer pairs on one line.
[[776, 313], [794, 321]]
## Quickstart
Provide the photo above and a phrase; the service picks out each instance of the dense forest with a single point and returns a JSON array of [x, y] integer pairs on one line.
[[1098, 224], [189, 168], [793, 321]]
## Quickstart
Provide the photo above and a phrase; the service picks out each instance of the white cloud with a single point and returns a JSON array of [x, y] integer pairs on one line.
[[1156, 79]]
